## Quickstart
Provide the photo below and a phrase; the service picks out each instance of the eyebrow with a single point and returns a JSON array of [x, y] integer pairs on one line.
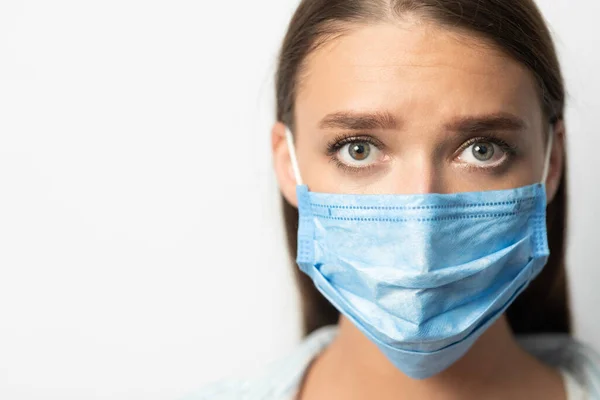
[[473, 125], [358, 121], [485, 123]]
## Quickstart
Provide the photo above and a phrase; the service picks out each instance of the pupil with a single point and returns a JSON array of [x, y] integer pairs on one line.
[[483, 151], [359, 151]]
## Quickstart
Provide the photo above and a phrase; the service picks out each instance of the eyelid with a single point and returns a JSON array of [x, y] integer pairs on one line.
[[503, 144], [509, 152], [350, 168], [343, 139]]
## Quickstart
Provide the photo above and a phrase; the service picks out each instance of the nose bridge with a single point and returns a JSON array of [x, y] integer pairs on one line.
[[417, 173]]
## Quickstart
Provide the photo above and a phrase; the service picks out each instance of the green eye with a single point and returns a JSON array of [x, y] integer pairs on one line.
[[483, 151], [358, 154], [359, 151]]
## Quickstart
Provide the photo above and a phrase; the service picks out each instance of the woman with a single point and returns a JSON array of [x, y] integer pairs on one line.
[[422, 142]]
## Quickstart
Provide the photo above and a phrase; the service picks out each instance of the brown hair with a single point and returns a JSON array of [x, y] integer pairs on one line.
[[514, 26]]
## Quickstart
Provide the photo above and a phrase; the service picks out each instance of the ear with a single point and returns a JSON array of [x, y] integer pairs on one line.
[[282, 164], [555, 169]]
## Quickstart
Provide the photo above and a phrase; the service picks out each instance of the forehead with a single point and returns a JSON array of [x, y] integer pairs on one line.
[[414, 70]]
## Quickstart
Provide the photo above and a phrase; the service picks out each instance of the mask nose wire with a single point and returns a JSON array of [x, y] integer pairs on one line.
[[547, 156], [292, 150]]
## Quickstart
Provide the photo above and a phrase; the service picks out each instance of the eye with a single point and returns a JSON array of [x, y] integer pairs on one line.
[[359, 151], [482, 153], [358, 154]]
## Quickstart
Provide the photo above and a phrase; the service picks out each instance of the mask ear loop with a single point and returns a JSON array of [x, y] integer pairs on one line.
[[292, 150], [548, 155]]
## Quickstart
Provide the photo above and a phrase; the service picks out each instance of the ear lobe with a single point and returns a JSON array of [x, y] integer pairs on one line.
[[282, 164], [555, 170]]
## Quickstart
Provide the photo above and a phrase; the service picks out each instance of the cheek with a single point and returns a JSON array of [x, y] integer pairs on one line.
[[318, 171], [323, 175], [530, 167], [520, 172], [521, 169]]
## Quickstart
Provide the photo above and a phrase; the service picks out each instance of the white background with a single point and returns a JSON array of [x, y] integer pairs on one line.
[[141, 248]]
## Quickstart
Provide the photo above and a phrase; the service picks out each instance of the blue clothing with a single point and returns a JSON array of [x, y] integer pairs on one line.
[[579, 365]]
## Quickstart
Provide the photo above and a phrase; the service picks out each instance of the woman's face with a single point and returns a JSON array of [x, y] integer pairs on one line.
[[415, 108]]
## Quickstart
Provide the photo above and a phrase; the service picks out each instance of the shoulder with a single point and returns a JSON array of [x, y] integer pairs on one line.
[[564, 352], [278, 380]]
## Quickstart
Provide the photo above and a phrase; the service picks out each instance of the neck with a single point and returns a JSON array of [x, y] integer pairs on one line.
[[354, 368]]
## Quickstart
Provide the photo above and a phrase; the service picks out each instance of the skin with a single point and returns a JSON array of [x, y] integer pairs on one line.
[[436, 88]]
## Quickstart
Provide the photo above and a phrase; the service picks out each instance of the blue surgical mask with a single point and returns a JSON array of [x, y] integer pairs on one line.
[[424, 275]]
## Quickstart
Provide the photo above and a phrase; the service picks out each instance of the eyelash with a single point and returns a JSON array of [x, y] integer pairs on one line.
[[508, 148], [341, 140]]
